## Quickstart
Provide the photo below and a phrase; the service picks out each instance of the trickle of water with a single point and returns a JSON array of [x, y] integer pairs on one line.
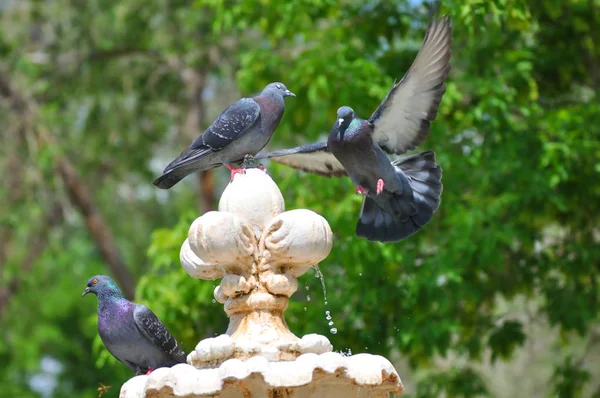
[[319, 275]]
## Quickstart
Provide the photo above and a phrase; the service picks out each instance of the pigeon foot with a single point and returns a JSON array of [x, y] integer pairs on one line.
[[380, 185], [249, 162], [149, 371], [361, 190], [235, 171]]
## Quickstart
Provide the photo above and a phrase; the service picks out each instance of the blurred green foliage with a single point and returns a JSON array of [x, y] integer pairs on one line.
[[517, 136]]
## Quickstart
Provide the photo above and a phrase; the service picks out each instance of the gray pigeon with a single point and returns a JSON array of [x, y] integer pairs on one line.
[[131, 332], [244, 128], [400, 196]]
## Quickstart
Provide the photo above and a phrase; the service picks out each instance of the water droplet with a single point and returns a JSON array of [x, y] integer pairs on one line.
[[307, 287], [307, 298], [305, 309], [326, 303], [333, 330], [360, 274], [214, 301], [330, 323]]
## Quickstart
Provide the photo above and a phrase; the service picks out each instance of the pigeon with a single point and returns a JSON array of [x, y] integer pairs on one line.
[[131, 332], [244, 128], [401, 196]]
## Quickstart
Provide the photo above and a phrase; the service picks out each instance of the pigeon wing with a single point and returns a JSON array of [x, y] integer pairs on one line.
[[313, 158], [154, 330], [231, 124], [403, 119]]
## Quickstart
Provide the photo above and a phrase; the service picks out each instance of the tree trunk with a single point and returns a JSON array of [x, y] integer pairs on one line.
[[195, 80]]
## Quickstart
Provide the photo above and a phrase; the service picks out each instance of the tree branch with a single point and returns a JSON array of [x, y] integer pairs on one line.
[[97, 227], [80, 197]]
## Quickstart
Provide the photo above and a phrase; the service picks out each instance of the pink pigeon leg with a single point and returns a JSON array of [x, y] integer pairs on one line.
[[380, 185], [235, 171], [149, 371], [361, 190]]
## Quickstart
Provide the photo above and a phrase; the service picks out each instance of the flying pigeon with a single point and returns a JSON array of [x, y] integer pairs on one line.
[[400, 196], [131, 332], [244, 128]]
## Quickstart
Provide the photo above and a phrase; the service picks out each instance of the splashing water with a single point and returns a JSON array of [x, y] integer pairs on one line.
[[319, 275]]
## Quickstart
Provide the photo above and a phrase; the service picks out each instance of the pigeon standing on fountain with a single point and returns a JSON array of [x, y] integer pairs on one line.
[[131, 332], [400, 196], [244, 128]]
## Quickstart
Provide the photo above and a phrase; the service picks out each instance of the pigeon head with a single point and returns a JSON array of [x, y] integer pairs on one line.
[[278, 88], [100, 284], [345, 114]]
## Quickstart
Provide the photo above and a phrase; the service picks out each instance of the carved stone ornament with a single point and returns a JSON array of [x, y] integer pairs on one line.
[[259, 250]]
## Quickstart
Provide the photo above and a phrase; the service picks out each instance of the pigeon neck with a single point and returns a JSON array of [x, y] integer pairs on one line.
[[106, 297], [347, 129]]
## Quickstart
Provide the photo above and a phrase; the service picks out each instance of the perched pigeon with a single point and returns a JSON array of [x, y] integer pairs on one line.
[[401, 196], [244, 128], [131, 332]]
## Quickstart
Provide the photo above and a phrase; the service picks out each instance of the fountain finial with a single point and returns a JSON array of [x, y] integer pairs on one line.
[[259, 250]]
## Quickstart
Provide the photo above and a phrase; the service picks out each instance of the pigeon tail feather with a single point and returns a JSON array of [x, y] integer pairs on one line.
[[424, 178], [171, 178]]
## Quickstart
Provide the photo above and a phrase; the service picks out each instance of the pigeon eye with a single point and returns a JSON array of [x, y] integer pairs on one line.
[[95, 281]]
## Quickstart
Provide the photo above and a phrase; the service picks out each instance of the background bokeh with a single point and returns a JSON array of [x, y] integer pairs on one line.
[[497, 296]]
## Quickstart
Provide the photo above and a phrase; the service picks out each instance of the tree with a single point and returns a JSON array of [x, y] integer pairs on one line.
[[116, 89]]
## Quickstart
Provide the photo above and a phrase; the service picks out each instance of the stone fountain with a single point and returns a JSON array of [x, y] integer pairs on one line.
[[259, 250]]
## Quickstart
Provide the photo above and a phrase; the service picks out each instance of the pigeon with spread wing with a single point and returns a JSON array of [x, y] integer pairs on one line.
[[400, 196]]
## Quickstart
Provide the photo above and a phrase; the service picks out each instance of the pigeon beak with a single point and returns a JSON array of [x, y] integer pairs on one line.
[[86, 291], [288, 93], [340, 121]]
